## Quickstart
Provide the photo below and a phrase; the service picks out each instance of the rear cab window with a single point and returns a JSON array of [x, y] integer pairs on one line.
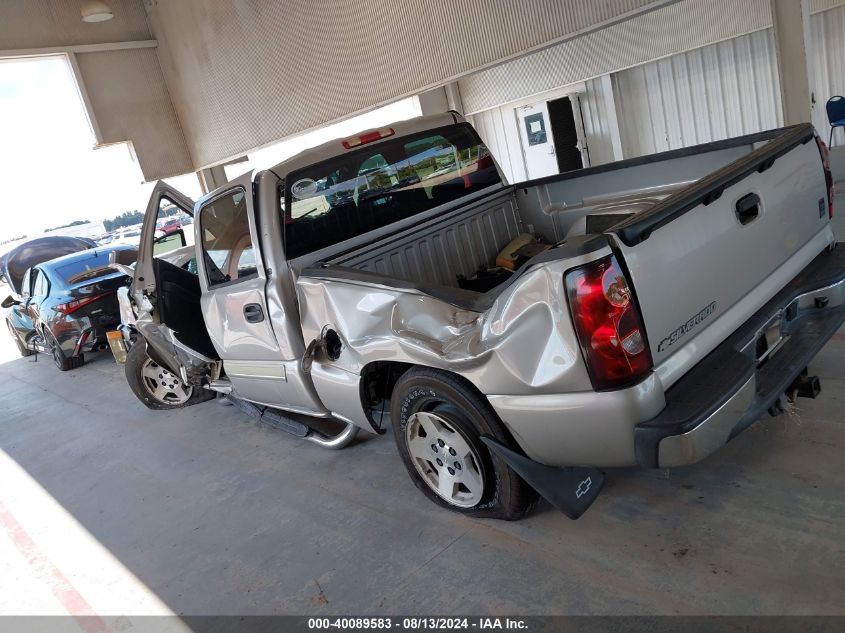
[[227, 248], [371, 187]]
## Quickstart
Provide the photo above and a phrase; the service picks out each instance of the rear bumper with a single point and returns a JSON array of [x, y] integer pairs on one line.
[[727, 391]]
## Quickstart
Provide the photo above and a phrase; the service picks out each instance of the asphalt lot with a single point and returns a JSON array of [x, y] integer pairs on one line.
[[200, 511]]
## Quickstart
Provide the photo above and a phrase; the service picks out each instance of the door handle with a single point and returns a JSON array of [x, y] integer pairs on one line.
[[748, 208], [254, 313]]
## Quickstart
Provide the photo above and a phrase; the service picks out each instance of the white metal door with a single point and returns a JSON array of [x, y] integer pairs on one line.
[[538, 145]]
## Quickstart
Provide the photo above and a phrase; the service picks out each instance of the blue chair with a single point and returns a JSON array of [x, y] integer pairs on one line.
[[835, 114]]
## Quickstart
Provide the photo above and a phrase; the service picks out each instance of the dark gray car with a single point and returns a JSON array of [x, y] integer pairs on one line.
[[68, 304]]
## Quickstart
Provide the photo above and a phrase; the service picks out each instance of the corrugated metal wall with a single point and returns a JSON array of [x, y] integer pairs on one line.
[[244, 74], [726, 89], [596, 123], [668, 30], [715, 92], [827, 50]]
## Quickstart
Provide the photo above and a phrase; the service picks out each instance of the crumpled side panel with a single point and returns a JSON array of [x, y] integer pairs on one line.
[[524, 344]]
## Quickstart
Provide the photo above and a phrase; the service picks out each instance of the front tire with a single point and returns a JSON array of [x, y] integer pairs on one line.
[[23, 349], [438, 420], [159, 388]]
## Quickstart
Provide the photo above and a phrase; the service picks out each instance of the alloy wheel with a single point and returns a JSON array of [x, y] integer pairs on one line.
[[163, 385], [445, 459]]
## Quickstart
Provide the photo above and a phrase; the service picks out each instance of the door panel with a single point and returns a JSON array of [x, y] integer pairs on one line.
[[179, 306], [233, 280]]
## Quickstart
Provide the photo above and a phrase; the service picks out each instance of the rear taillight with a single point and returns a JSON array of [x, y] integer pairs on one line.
[[608, 324], [72, 306], [828, 175]]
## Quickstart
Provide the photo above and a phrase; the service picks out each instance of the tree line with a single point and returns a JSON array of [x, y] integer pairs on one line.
[[127, 218], [64, 226]]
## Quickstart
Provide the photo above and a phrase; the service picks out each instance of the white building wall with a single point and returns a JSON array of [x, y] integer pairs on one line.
[[498, 129], [725, 89], [715, 92]]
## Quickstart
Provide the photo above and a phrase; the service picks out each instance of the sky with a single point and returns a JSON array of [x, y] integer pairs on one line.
[[51, 174]]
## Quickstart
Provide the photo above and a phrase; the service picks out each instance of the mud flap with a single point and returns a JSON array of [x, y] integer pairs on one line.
[[570, 489]]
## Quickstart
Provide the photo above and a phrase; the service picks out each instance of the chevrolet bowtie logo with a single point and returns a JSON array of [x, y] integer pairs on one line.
[[583, 488]]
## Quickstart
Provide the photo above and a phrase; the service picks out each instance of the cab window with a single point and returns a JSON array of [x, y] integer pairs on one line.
[[227, 249], [368, 188]]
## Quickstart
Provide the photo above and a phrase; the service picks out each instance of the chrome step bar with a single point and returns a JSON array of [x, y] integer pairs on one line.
[[284, 421]]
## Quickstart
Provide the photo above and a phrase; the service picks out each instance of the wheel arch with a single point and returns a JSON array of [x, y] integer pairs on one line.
[[375, 388], [378, 382]]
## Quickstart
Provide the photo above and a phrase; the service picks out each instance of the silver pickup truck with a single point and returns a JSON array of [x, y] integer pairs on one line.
[[642, 312]]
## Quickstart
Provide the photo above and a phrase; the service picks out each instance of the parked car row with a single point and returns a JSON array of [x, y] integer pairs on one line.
[[131, 235], [640, 313]]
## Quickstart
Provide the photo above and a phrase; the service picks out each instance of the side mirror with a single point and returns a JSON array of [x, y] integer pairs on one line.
[[10, 301]]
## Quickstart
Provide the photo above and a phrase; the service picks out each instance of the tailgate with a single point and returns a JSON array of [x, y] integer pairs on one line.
[[705, 259]]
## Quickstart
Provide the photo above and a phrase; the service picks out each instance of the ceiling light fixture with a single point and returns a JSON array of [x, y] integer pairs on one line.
[[96, 11]]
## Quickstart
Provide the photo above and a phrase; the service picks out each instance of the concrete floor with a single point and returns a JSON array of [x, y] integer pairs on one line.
[[108, 508], [211, 514]]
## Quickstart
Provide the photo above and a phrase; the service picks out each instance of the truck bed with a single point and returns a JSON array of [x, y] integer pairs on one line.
[[458, 240]]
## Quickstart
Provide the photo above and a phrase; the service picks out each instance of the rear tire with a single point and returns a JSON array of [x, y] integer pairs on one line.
[[438, 420], [63, 362], [23, 349], [156, 387]]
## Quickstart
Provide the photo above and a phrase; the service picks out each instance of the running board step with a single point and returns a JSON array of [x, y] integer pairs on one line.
[[278, 419], [271, 418]]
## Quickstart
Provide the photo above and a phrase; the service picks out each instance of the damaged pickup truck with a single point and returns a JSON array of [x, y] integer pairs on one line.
[[642, 312]]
